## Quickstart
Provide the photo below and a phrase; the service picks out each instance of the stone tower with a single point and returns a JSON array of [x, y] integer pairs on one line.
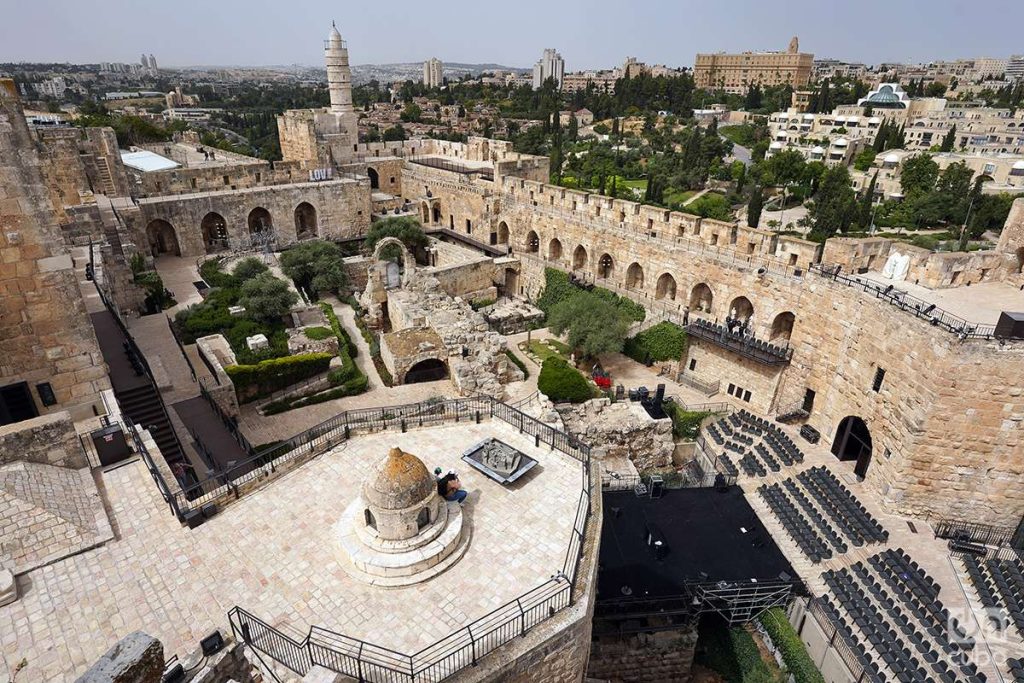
[[794, 46], [1011, 239], [339, 76]]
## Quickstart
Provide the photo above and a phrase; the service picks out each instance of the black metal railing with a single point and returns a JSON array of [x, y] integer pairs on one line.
[[181, 347], [161, 484], [263, 464], [973, 532], [706, 388], [742, 344], [919, 308], [837, 639], [366, 661], [230, 422]]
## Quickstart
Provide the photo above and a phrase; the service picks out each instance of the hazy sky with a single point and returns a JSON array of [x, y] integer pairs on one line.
[[591, 33]]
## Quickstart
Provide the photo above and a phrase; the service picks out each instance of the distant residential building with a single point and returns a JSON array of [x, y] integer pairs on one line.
[[735, 73], [988, 67], [834, 68], [51, 87], [177, 99], [1001, 173], [433, 70], [604, 81], [1015, 68], [584, 117], [800, 100], [190, 114], [550, 65], [152, 64]]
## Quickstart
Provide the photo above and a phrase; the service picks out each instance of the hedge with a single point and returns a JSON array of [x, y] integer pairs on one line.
[[561, 382], [274, 374], [352, 387], [662, 342], [518, 363], [731, 652], [794, 654], [557, 289]]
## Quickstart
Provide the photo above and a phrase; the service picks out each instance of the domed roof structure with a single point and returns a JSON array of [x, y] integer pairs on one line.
[[892, 159], [399, 481], [1018, 165], [818, 149], [776, 145], [841, 142]]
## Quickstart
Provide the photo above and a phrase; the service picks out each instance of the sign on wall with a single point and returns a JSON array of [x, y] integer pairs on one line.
[[317, 174]]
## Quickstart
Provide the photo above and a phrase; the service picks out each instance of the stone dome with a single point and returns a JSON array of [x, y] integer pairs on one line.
[[400, 481]]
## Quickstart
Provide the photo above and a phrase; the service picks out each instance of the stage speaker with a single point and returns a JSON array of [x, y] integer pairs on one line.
[[785, 577], [212, 644], [1010, 325], [720, 484], [659, 396], [176, 674], [209, 510], [657, 486]]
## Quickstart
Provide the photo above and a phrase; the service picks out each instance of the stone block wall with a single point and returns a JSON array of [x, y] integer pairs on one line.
[[715, 364], [658, 656], [462, 198], [45, 332], [342, 210], [47, 440], [78, 162]]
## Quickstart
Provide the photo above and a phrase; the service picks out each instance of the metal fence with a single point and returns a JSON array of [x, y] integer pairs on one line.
[[837, 639], [919, 308], [975, 532], [368, 662], [706, 388]]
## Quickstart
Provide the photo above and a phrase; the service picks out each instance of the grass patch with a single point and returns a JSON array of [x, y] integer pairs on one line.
[[318, 333], [678, 197], [547, 348], [518, 363]]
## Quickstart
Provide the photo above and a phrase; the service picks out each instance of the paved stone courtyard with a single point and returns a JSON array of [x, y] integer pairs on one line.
[[273, 553]]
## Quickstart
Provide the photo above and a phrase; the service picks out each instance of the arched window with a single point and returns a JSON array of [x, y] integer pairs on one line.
[[579, 258], [554, 250], [374, 178], [423, 518], [305, 221], [370, 521], [503, 233], [666, 287], [634, 276], [782, 327], [532, 242], [260, 222], [605, 266], [215, 232], [741, 309], [701, 298]]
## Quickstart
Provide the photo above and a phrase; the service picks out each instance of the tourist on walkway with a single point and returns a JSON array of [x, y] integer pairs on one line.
[[450, 488]]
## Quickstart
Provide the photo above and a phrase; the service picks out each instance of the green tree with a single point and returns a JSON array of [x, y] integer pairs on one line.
[[266, 297], [412, 113], [949, 140], [315, 266], [864, 159], [919, 175], [755, 206], [599, 327], [248, 268], [406, 228], [954, 187], [867, 201], [561, 382], [395, 133], [835, 204], [935, 89]]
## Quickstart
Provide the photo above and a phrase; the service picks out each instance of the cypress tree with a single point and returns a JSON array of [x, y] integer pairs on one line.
[[949, 140], [867, 202], [754, 207]]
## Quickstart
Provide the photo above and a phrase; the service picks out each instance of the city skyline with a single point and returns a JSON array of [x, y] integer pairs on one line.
[[62, 31]]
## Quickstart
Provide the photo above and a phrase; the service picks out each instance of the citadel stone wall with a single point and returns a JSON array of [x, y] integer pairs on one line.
[[46, 333], [342, 210], [934, 384], [466, 202], [79, 162]]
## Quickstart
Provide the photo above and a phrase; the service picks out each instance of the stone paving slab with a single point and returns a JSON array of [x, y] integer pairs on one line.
[[273, 553]]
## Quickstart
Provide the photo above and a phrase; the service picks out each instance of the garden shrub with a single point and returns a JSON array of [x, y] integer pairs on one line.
[[319, 333], [248, 268], [315, 266], [353, 387], [266, 377], [794, 654], [343, 337], [662, 342], [561, 382], [685, 423], [214, 276], [266, 297], [518, 363]]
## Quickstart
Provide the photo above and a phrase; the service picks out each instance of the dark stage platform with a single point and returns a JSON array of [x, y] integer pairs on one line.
[[711, 536]]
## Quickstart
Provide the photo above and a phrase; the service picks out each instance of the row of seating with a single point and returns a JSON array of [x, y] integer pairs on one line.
[[726, 464], [1000, 585], [846, 511], [824, 528], [910, 587], [751, 466], [890, 649], [872, 672], [795, 524], [1016, 668], [783, 446], [767, 458]]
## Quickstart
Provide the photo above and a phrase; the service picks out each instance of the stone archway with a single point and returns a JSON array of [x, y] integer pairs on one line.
[[305, 221], [741, 309], [701, 298], [532, 242], [579, 258], [666, 287], [554, 249], [215, 232], [408, 263], [782, 327], [163, 239], [503, 233], [260, 222], [427, 370], [634, 276], [605, 266], [853, 442], [374, 178]]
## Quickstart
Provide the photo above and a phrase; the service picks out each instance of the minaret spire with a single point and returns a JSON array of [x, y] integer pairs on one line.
[[339, 76]]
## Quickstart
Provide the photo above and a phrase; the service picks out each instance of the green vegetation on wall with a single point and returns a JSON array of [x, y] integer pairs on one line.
[[662, 342], [558, 289], [264, 378], [794, 654], [732, 653]]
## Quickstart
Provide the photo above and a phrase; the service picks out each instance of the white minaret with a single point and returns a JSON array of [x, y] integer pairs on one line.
[[339, 77]]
